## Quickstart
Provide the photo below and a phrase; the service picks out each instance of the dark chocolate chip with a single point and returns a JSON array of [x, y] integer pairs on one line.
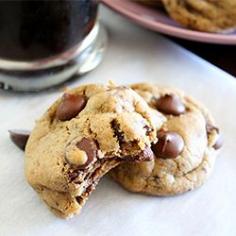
[[90, 147], [219, 143], [169, 145], [170, 104], [19, 137], [70, 106]]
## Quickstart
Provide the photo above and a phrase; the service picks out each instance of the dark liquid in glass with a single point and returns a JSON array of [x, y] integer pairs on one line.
[[36, 29]]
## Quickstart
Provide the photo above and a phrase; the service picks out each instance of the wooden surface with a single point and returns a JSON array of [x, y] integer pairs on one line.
[[223, 56]]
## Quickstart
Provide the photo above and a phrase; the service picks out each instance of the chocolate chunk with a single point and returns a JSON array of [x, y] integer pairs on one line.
[[219, 143], [90, 147], [19, 137], [70, 106], [169, 145], [170, 104]]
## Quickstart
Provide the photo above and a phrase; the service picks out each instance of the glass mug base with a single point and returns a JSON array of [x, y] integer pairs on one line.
[[51, 72]]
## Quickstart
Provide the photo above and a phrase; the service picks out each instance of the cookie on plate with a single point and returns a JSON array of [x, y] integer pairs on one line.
[[84, 134], [204, 15], [185, 151]]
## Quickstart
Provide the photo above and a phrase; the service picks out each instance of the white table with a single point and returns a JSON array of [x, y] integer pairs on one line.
[[134, 54]]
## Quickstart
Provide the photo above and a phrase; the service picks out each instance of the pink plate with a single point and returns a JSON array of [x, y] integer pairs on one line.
[[157, 20]]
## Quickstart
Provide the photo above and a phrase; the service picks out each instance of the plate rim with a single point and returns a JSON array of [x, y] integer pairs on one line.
[[183, 33]]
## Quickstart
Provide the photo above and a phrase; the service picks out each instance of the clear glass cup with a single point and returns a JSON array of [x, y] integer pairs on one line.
[[46, 42]]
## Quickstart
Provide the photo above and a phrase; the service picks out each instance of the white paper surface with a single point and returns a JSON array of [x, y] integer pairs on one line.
[[133, 55]]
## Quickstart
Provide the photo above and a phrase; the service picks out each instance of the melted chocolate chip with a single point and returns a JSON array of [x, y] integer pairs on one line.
[[90, 147], [170, 104], [117, 132], [169, 145], [72, 175], [219, 143], [145, 155], [19, 138], [79, 199], [70, 106], [89, 189]]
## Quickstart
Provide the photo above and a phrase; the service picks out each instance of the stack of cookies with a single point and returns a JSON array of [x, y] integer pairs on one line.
[[150, 139]]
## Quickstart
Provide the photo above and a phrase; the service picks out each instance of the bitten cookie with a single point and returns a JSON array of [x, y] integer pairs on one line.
[[204, 15], [84, 134], [185, 151]]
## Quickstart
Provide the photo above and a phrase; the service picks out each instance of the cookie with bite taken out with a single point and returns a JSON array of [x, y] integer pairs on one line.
[[85, 133]]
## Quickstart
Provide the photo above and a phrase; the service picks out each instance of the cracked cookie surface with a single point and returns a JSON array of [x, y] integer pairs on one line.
[[84, 134], [204, 15], [185, 151]]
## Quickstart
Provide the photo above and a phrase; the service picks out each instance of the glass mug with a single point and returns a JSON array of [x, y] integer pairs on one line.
[[46, 42]]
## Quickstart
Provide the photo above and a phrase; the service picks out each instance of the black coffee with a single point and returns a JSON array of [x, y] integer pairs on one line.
[[32, 30]]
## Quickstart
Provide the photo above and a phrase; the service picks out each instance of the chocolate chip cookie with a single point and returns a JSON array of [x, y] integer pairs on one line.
[[185, 151], [84, 134], [204, 15]]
